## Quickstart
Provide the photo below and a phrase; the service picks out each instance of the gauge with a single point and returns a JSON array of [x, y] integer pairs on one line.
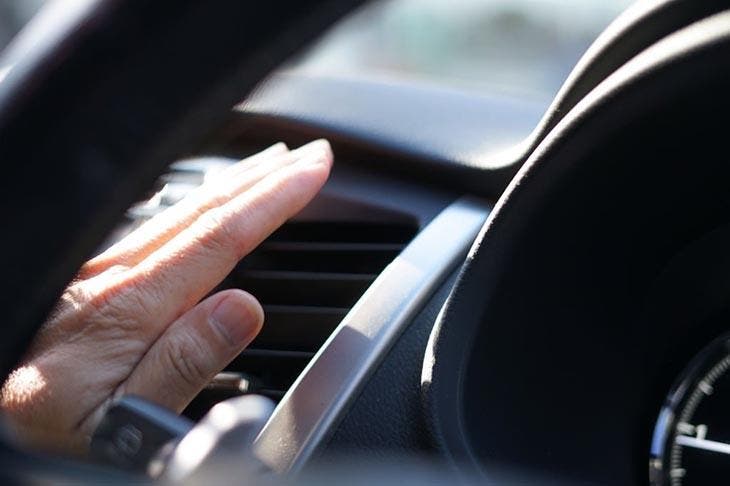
[[691, 441]]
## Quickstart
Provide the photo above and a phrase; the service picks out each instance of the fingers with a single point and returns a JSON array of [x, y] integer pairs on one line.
[[215, 192], [134, 324], [187, 267], [196, 347]]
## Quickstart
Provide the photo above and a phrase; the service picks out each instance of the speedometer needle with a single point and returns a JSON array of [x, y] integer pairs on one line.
[[704, 444]]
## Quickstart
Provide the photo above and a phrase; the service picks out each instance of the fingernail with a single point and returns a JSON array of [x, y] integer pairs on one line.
[[235, 319], [318, 152], [317, 146], [312, 159], [276, 149]]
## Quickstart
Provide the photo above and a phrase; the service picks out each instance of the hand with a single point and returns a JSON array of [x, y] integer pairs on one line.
[[132, 323]]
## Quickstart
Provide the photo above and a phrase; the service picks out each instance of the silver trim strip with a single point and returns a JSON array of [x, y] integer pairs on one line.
[[336, 373]]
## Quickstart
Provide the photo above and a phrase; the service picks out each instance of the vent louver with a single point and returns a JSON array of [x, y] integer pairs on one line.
[[307, 275]]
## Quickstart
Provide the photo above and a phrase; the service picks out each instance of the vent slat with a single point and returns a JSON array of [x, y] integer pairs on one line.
[[303, 288], [322, 257], [297, 328], [307, 275], [330, 246], [276, 354], [313, 276], [344, 232]]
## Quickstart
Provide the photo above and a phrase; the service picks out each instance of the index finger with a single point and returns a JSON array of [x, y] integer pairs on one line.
[[185, 269], [134, 247]]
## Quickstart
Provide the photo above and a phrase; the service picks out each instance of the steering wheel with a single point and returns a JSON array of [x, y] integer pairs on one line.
[[610, 241], [96, 98]]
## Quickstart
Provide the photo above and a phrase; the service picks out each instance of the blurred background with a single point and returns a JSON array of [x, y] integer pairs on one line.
[[519, 47], [13, 15], [523, 48]]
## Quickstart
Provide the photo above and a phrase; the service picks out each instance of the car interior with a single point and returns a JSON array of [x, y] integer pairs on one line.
[[487, 290]]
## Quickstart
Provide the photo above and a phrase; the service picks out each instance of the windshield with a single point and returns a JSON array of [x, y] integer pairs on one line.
[[521, 47], [14, 14], [524, 48]]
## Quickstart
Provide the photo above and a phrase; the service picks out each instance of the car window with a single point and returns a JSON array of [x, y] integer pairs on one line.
[[521, 47], [14, 14], [524, 48]]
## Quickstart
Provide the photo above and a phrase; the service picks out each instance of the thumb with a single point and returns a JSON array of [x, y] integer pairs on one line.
[[195, 347]]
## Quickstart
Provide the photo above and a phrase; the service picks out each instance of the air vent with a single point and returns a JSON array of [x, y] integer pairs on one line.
[[307, 276]]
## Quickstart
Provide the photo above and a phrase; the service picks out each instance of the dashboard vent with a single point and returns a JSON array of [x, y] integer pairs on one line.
[[307, 275]]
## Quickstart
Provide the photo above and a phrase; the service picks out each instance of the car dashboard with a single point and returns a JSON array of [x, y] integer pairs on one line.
[[507, 294], [339, 283]]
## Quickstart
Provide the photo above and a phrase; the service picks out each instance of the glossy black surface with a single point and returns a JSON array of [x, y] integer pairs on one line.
[[600, 273]]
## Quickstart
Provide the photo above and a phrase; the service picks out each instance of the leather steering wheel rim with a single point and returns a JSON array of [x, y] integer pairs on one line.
[[629, 177]]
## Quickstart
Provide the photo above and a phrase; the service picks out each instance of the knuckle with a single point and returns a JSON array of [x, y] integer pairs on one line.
[[216, 233], [117, 268], [102, 265], [128, 303], [220, 197], [87, 270], [179, 356]]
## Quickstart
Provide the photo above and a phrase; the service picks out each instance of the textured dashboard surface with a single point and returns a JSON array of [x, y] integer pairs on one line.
[[390, 403]]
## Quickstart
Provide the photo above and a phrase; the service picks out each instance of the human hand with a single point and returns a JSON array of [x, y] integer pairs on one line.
[[132, 323]]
